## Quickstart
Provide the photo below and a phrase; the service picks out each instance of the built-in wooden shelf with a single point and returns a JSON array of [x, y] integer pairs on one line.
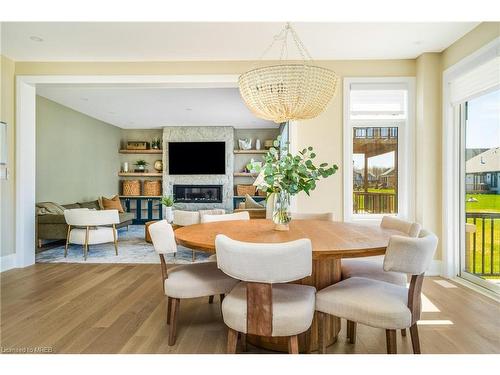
[[140, 174], [251, 151], [245, 174], [151, 151]]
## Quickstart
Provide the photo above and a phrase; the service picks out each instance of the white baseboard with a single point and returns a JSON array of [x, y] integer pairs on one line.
[[8, 262], [435, 268]]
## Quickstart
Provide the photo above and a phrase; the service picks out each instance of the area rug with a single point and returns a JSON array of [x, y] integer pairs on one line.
[[132, 248]]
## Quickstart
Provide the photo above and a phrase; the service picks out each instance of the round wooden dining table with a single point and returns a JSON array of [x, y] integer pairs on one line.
[[331, 241]]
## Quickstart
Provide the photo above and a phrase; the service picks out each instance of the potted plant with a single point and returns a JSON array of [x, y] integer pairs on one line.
[[156, 143], [285, 175], [141, 165], [168, 202]]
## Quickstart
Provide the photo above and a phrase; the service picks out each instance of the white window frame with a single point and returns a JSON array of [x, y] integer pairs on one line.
[[406, 147], [453, 237]]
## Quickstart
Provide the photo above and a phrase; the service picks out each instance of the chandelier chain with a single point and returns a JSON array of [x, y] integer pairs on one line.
[[283, 37]]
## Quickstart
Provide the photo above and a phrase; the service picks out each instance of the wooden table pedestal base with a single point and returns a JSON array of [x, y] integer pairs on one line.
[[325, 272]]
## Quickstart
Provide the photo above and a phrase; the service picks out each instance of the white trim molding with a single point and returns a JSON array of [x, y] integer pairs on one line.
[[26, 141], [453, 237], [8, 262], [406, 150]]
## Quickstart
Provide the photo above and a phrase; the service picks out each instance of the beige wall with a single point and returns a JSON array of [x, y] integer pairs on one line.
[[481, 35], [77, 157], [325, 133], [7, 187], [428, 146]]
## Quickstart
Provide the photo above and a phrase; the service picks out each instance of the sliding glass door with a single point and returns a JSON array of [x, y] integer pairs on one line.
[[480, 147]]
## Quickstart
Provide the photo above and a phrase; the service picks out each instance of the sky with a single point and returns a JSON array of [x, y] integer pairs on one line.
[[483, 121], [482, 130]]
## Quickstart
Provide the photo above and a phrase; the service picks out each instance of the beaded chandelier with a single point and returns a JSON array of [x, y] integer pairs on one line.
[[286, 92]]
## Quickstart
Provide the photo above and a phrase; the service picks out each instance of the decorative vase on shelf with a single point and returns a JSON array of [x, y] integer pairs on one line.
[[257, 144], [125, 167], [281, 211]]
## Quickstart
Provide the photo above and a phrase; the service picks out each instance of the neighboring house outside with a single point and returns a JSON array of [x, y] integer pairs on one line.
[[359, 179], [482, 172], [388, 179]]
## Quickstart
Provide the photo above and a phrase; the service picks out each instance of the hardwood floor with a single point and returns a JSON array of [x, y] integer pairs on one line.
[[115, 308]]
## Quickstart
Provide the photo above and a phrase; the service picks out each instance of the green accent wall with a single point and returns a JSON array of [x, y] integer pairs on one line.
[[77, 156]]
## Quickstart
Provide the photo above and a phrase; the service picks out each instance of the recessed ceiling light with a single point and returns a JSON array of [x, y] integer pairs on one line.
[[36, 38], [189, 109], [85, 99], [111, 112], [417, 42]]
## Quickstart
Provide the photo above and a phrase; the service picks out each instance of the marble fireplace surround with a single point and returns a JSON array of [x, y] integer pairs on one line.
[[201, 134]]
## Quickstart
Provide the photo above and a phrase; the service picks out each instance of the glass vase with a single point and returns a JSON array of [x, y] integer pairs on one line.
[[281, 211]]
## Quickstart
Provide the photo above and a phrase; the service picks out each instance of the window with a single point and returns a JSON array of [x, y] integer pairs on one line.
[[377, 114]]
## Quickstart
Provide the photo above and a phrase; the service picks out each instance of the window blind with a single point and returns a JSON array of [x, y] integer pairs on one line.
[[479, 80]]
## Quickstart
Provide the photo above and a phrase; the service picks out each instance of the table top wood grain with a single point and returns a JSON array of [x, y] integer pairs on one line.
[[329, 238]]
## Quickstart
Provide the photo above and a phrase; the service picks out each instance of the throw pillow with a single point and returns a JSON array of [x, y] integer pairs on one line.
[[49, 208], [112, 204], [93, 205], [252, 203]]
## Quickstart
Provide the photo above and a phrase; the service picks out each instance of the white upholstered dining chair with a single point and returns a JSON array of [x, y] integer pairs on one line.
[[184, 218], [265, 303], [372, 267], [242, 215], [187, 280], [91, 227], [378, 303]]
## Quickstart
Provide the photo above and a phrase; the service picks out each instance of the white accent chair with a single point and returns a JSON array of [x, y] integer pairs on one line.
[[378, 303], [185, 281], [242, 215], [265, 303], [90, 227], [323, 217]]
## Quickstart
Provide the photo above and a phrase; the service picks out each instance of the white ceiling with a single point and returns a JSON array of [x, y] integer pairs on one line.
[[146, 108], [149, 41]]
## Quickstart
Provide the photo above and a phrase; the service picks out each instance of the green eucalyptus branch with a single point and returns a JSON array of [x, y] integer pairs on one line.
[[293, 173]]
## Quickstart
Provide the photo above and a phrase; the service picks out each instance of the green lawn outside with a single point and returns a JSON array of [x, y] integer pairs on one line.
[[485, 203]]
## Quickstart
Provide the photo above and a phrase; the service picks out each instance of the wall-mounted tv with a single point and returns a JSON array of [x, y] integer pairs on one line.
[[196, 158]]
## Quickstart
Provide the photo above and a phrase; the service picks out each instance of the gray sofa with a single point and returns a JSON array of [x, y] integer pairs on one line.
[[52, 226]]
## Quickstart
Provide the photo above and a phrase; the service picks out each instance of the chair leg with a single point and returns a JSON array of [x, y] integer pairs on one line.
[[86, 247], [243, 338], [115, 240], [169, 309], [321, 333], [211, 299], [221, 296], [193, 256], [403, 332], [415, 341], [293, 344], [390, 337], [232, 341], [351, 331], [173, 321], [67, 241]]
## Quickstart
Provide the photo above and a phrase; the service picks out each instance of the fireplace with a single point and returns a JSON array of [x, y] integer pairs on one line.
[[197, 193]]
